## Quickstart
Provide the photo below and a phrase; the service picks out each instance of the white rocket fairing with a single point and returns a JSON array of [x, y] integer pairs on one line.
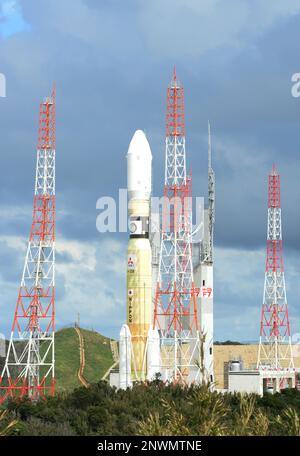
[[139, 167]]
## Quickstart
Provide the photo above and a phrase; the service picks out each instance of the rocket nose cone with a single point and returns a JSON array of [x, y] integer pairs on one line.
[[125, 332], [139, 144]]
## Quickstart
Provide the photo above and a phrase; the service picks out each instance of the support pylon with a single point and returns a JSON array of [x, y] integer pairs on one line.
[[29, 364], [275, 348], [175, 307]]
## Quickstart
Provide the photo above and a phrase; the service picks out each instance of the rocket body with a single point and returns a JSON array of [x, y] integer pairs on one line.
[[139, 256]]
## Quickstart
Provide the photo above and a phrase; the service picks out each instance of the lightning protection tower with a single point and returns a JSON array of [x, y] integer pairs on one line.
[[29, 364], [175, 306], [275, 349]]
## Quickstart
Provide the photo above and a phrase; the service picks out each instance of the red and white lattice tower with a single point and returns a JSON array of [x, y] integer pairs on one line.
[[175, 307], [29, 364], [275, 349]]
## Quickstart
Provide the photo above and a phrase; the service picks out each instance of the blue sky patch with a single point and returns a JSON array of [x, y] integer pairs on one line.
[[11, 19]]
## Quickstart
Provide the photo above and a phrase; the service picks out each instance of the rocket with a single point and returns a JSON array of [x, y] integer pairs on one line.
[[134, 341]]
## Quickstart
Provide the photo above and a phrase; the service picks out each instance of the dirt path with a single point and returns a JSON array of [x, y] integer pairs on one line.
[[80, 374]]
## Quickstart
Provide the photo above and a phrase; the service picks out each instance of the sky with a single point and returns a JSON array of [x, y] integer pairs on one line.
[[112, 62]]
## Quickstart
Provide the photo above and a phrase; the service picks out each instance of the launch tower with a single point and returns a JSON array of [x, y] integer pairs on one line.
[[29, 364], [175, 307], [275, 348]]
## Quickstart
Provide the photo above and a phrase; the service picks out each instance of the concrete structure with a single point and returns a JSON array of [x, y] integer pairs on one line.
[[224, 354], [114, 378], [259, 381]]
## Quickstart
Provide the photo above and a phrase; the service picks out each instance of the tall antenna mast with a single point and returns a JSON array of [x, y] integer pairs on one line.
[[275, 348], [204, 277], [211, 200], [175, 307], [29, 364]]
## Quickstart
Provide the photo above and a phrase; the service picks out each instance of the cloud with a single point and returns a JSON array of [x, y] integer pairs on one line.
[[94, 284], [90, 280], [11, 19], [194, 27]]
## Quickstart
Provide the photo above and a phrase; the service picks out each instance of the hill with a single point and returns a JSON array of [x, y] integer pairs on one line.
[[98, 357]]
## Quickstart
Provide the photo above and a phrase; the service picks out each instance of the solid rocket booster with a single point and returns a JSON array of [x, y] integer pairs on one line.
[[153, 354], [125, 379], [139, 269]]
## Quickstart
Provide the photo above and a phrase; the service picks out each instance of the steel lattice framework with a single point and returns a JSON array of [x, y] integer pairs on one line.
[[175, 307], [275, 349], [29, 364]]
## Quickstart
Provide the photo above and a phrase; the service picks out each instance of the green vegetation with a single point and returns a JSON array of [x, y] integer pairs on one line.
[[146, 409], [156, 409], [7, 425], [98, 357], [66, 359]]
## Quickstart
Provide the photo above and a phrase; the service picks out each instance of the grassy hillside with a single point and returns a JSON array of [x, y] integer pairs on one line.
[[66, 359], [98, 357], [97, 353]]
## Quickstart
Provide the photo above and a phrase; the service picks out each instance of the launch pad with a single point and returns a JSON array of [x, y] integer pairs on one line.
[[167, 331]]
